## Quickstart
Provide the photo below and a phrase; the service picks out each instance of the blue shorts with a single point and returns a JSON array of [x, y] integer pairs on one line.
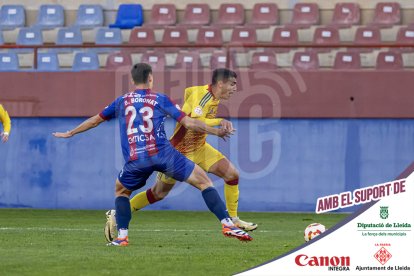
[[169, 161]]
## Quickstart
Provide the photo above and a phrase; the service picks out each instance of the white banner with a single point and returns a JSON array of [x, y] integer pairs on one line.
[[377, 241]]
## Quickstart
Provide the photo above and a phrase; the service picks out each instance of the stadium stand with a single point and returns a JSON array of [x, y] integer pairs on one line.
[[12, 16], [50, 16], [387, 14], [305, 60], [175, 36], [89, 16], [347, 60], [29, 36], [305, 15], [69, 36], [84, 61], [108, 36], [286, 35], [156, 59], [218, 59], [162, 15], [196, 15], [346, 14], [367, 35], [128, 16], [188, 61], [230, 15], [142, 36], [9, 62], [264, 15], [209, 35], [47, 62], [243, 35], [263, 61], [389, 60], [118, 59]]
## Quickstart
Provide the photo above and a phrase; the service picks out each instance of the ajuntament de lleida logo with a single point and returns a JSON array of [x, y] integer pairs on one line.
[[384, 212]]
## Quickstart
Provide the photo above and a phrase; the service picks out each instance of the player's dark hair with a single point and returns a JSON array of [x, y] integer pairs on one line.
[[140, 72], [222, 74]]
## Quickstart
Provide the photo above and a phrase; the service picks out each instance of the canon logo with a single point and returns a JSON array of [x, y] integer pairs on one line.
[[303, 260]]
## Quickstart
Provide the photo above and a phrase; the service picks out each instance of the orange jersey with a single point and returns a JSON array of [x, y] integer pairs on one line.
[[199, 103]]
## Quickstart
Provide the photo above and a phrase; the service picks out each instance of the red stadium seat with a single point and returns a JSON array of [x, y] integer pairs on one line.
[[230, 15], [118, 59], [218, 60], [326, 35], [142, 36], [175, 36], [242, 35], [347, 60], [196, 15], [162, 15], [387, 14], [405, 35], [264, 15], [263, 61], [156, 59], [286, 35], [390, 60], [346, 14], [188, 60], [305, 60], [305, 15], [367, 35], [209, 36]]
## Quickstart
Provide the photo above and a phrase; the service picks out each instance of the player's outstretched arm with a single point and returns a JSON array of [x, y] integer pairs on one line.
[[200, 126], [86, 125]]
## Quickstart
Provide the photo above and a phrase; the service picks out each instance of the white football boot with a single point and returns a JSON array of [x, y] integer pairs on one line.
[[110, 226], [244, 225]]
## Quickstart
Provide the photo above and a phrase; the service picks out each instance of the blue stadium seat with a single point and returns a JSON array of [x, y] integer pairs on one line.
[[69, 36], [89, 16], [50, 16], [29, 36], [85, 61], [1, 38], [47, 62], [9, 62], [108, 36], [12, 16], [128, 16]]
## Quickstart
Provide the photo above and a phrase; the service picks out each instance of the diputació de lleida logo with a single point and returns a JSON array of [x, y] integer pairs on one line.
[[384, 212]]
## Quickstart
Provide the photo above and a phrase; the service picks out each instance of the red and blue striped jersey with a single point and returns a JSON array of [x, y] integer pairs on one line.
[[141, 116]]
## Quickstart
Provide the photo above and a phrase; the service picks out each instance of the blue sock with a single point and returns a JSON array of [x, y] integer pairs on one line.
[[123, 212], [214, 203]]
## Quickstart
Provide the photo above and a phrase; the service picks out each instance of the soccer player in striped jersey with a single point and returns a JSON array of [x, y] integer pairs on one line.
[[146, 148], [200, 102], [5, 120]]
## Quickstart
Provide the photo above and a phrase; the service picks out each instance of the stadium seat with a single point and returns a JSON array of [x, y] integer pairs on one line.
[[69, 36], [9, 62], [128, 16], [85, 61], [162, 15], [50, 16], [387, 14], [347, 60], [209, 35], [243, 35], [305, 60], [47, 62], [29, 36], [263, 61], [405, 35], [305, 15], [286, 35], [230, 15], [12, 16], [175, 36], [1, 38], [324, 36], [264, 15], [89, 16], [345, 15], [366, 35], [118, 59], [108, 36], [196, 15], [188, 60], [142, 36], [390, 60], [155, 59], [218, 60]]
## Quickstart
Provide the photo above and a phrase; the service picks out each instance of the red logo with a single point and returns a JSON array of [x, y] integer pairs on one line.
[[383, 255], [303, 260]]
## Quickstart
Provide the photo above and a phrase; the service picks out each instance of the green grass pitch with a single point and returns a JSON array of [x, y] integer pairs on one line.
[[71, 242]]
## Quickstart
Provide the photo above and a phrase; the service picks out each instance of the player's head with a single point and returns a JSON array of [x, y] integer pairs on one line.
[[142, 74], [224, 82]]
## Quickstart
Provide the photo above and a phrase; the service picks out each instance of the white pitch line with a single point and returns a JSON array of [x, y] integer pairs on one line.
[[99, 230]]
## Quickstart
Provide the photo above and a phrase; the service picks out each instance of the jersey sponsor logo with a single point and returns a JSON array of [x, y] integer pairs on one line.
[[198, 110], [141, 138]]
